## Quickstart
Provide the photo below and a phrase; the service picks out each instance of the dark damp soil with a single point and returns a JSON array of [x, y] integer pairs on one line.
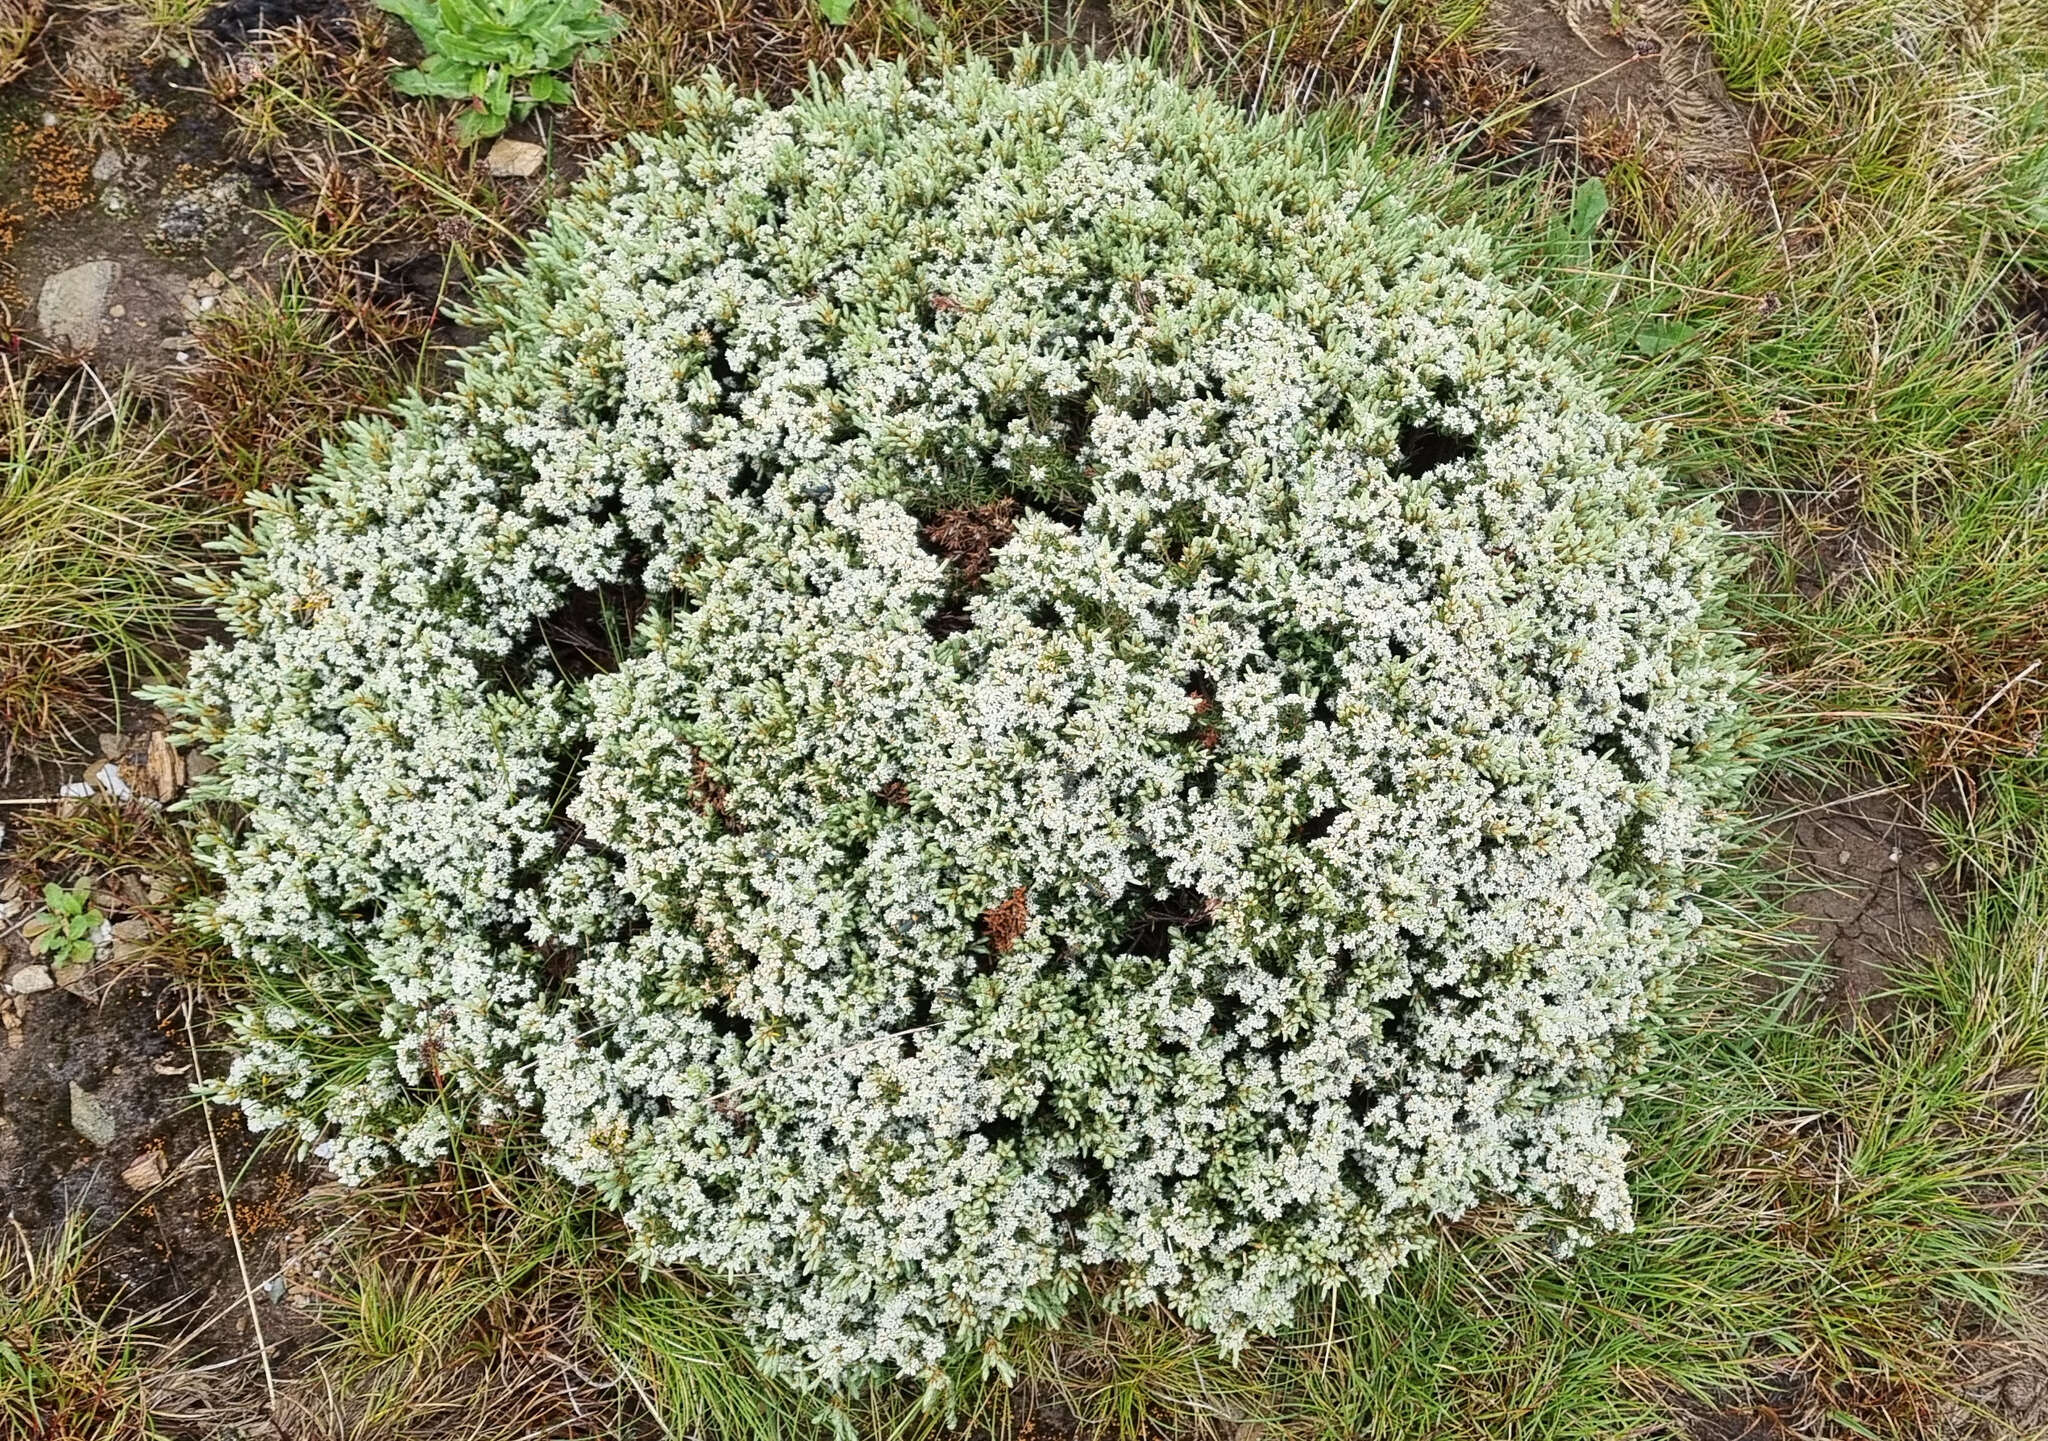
[[99, 1122], [151, 1182]]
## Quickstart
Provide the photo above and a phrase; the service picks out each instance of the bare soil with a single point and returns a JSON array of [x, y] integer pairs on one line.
[[1639, 68], [153, 1193], [1870, 889], [195, 1222], [151, 183]]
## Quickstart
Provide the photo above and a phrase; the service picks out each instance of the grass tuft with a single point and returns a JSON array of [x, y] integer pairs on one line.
[[73, 1370], [96, 533], [278, 373]]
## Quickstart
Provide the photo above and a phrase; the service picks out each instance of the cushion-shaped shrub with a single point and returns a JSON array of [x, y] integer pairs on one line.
[[981, 681]]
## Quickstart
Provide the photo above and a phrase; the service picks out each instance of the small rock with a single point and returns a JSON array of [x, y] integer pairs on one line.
[[164, 770], [10, 1021], [515, 159], [115, 312], [145, 1172], [107, 167], [192, 219], [131, 939], [77, 979], [198, 763], [91, 1118], [30, 980], [73, 301], [107, 775]]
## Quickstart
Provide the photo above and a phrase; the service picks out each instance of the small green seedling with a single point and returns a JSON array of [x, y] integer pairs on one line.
[[63, 931], [501, 55]]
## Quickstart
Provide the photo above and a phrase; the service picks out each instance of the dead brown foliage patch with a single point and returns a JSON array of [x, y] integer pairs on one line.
[[773, 47], [708, 793], [276, 375], [968, 536], [1004, 923]]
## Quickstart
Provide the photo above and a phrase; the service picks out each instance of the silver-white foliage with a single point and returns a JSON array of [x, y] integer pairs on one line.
[[1348, 735]]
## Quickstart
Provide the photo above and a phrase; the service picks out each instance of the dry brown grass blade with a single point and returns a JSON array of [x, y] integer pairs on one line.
[[20, 22], [227, 1206]]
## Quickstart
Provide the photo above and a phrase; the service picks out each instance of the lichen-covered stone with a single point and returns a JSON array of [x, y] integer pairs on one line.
[[979, 679]]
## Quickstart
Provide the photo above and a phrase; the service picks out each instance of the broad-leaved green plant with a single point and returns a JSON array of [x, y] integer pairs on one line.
[[63, 929], [502, 56]]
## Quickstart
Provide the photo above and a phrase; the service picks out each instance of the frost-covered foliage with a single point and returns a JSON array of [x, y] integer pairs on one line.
[[981, 679]]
